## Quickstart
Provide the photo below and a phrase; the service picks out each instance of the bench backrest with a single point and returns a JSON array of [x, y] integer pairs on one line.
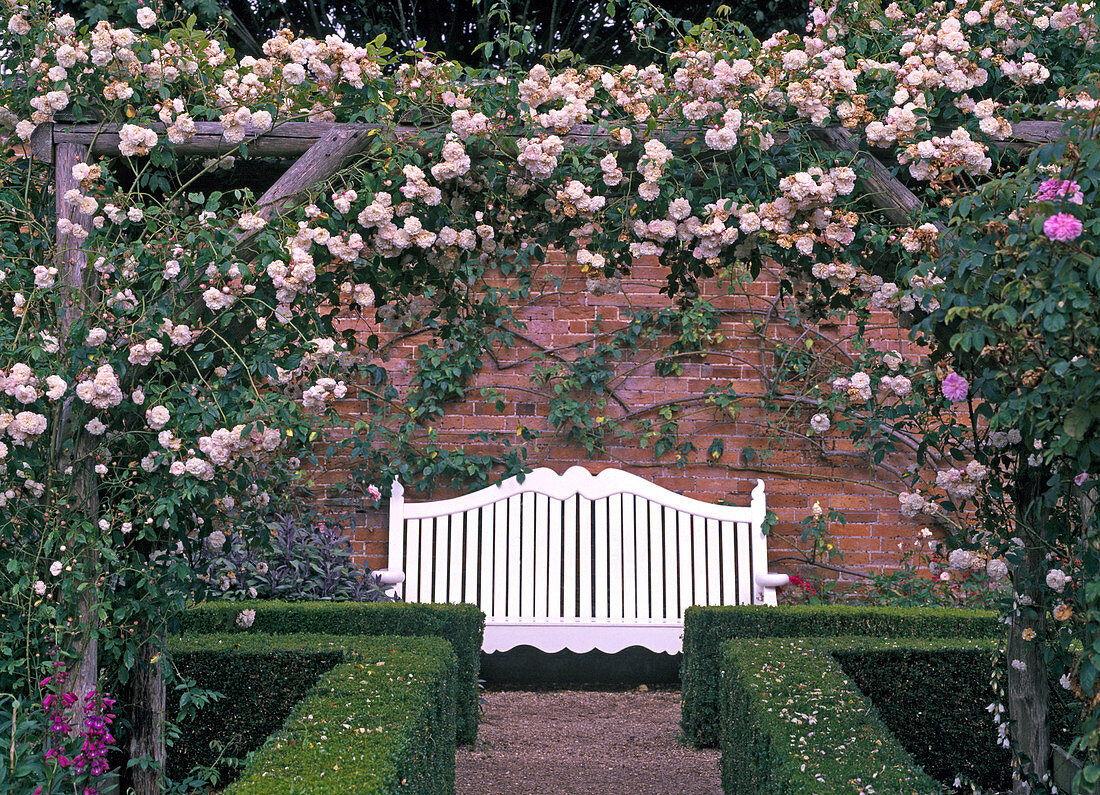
[[579, 546]]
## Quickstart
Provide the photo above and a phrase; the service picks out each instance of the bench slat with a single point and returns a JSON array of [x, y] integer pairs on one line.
[[744, 569], [570, 579], [630, 567], [685, 561], [412, 561], [454, 572], [641, 556], [428, 543], [656, 561], [557, 553], [616, 558], [699, 559], [728, 532], [670, 528], [714, 581], [488, 550], [471, 533], [542, 554], [500, 556], [599, 532], [442, 535], [514, 565], [527, 554], [585, 603]]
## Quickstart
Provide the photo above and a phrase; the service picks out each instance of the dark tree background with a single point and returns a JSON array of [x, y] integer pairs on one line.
[[457, 27]]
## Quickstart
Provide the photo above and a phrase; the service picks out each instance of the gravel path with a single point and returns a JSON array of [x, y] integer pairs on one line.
[[582, 742]]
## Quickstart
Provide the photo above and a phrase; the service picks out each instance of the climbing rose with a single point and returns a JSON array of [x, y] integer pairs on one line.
[[1057, 580], [820, 423], [1062, 227], [1057, 189], [157, 417], [960, 559], [955, 388], [246, 618]]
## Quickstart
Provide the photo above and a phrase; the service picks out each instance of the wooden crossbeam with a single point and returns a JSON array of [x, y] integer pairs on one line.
[[291, 139], [323, 147], [288, 139], [1036, 132]]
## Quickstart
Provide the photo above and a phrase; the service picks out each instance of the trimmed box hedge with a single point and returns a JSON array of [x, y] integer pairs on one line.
[[378, 720], [933, 696], [707, 628], [794, 721], [261, 677], [461, 624]]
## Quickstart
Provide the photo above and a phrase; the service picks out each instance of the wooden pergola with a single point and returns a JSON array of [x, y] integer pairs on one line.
[[320, 149]]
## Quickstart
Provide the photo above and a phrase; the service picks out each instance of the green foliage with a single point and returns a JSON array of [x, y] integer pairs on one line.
[[377, 719], [443, 373], [307, 558], [579, 392], [706, 628], [695, 326], [462, 625], [910, 586], [25, 726]]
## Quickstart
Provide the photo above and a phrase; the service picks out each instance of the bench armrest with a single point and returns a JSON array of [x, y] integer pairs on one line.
[[772, 580], [388, 578]]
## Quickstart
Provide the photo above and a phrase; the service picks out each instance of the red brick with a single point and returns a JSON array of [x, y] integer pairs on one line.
[[559, 319]]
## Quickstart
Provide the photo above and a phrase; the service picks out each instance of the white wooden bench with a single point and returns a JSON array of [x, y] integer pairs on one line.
[[580, 562]]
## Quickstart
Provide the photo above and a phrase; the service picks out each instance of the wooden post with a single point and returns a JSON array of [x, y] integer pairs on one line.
[[148, 715], [1027, 686], [71, 446]]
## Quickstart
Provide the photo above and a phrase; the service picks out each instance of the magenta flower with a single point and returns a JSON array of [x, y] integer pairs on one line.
[[955, 388], [1081, 478], [1055, 189], [1062, 227]]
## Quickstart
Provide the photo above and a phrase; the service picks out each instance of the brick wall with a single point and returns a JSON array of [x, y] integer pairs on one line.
[[797, 475]]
